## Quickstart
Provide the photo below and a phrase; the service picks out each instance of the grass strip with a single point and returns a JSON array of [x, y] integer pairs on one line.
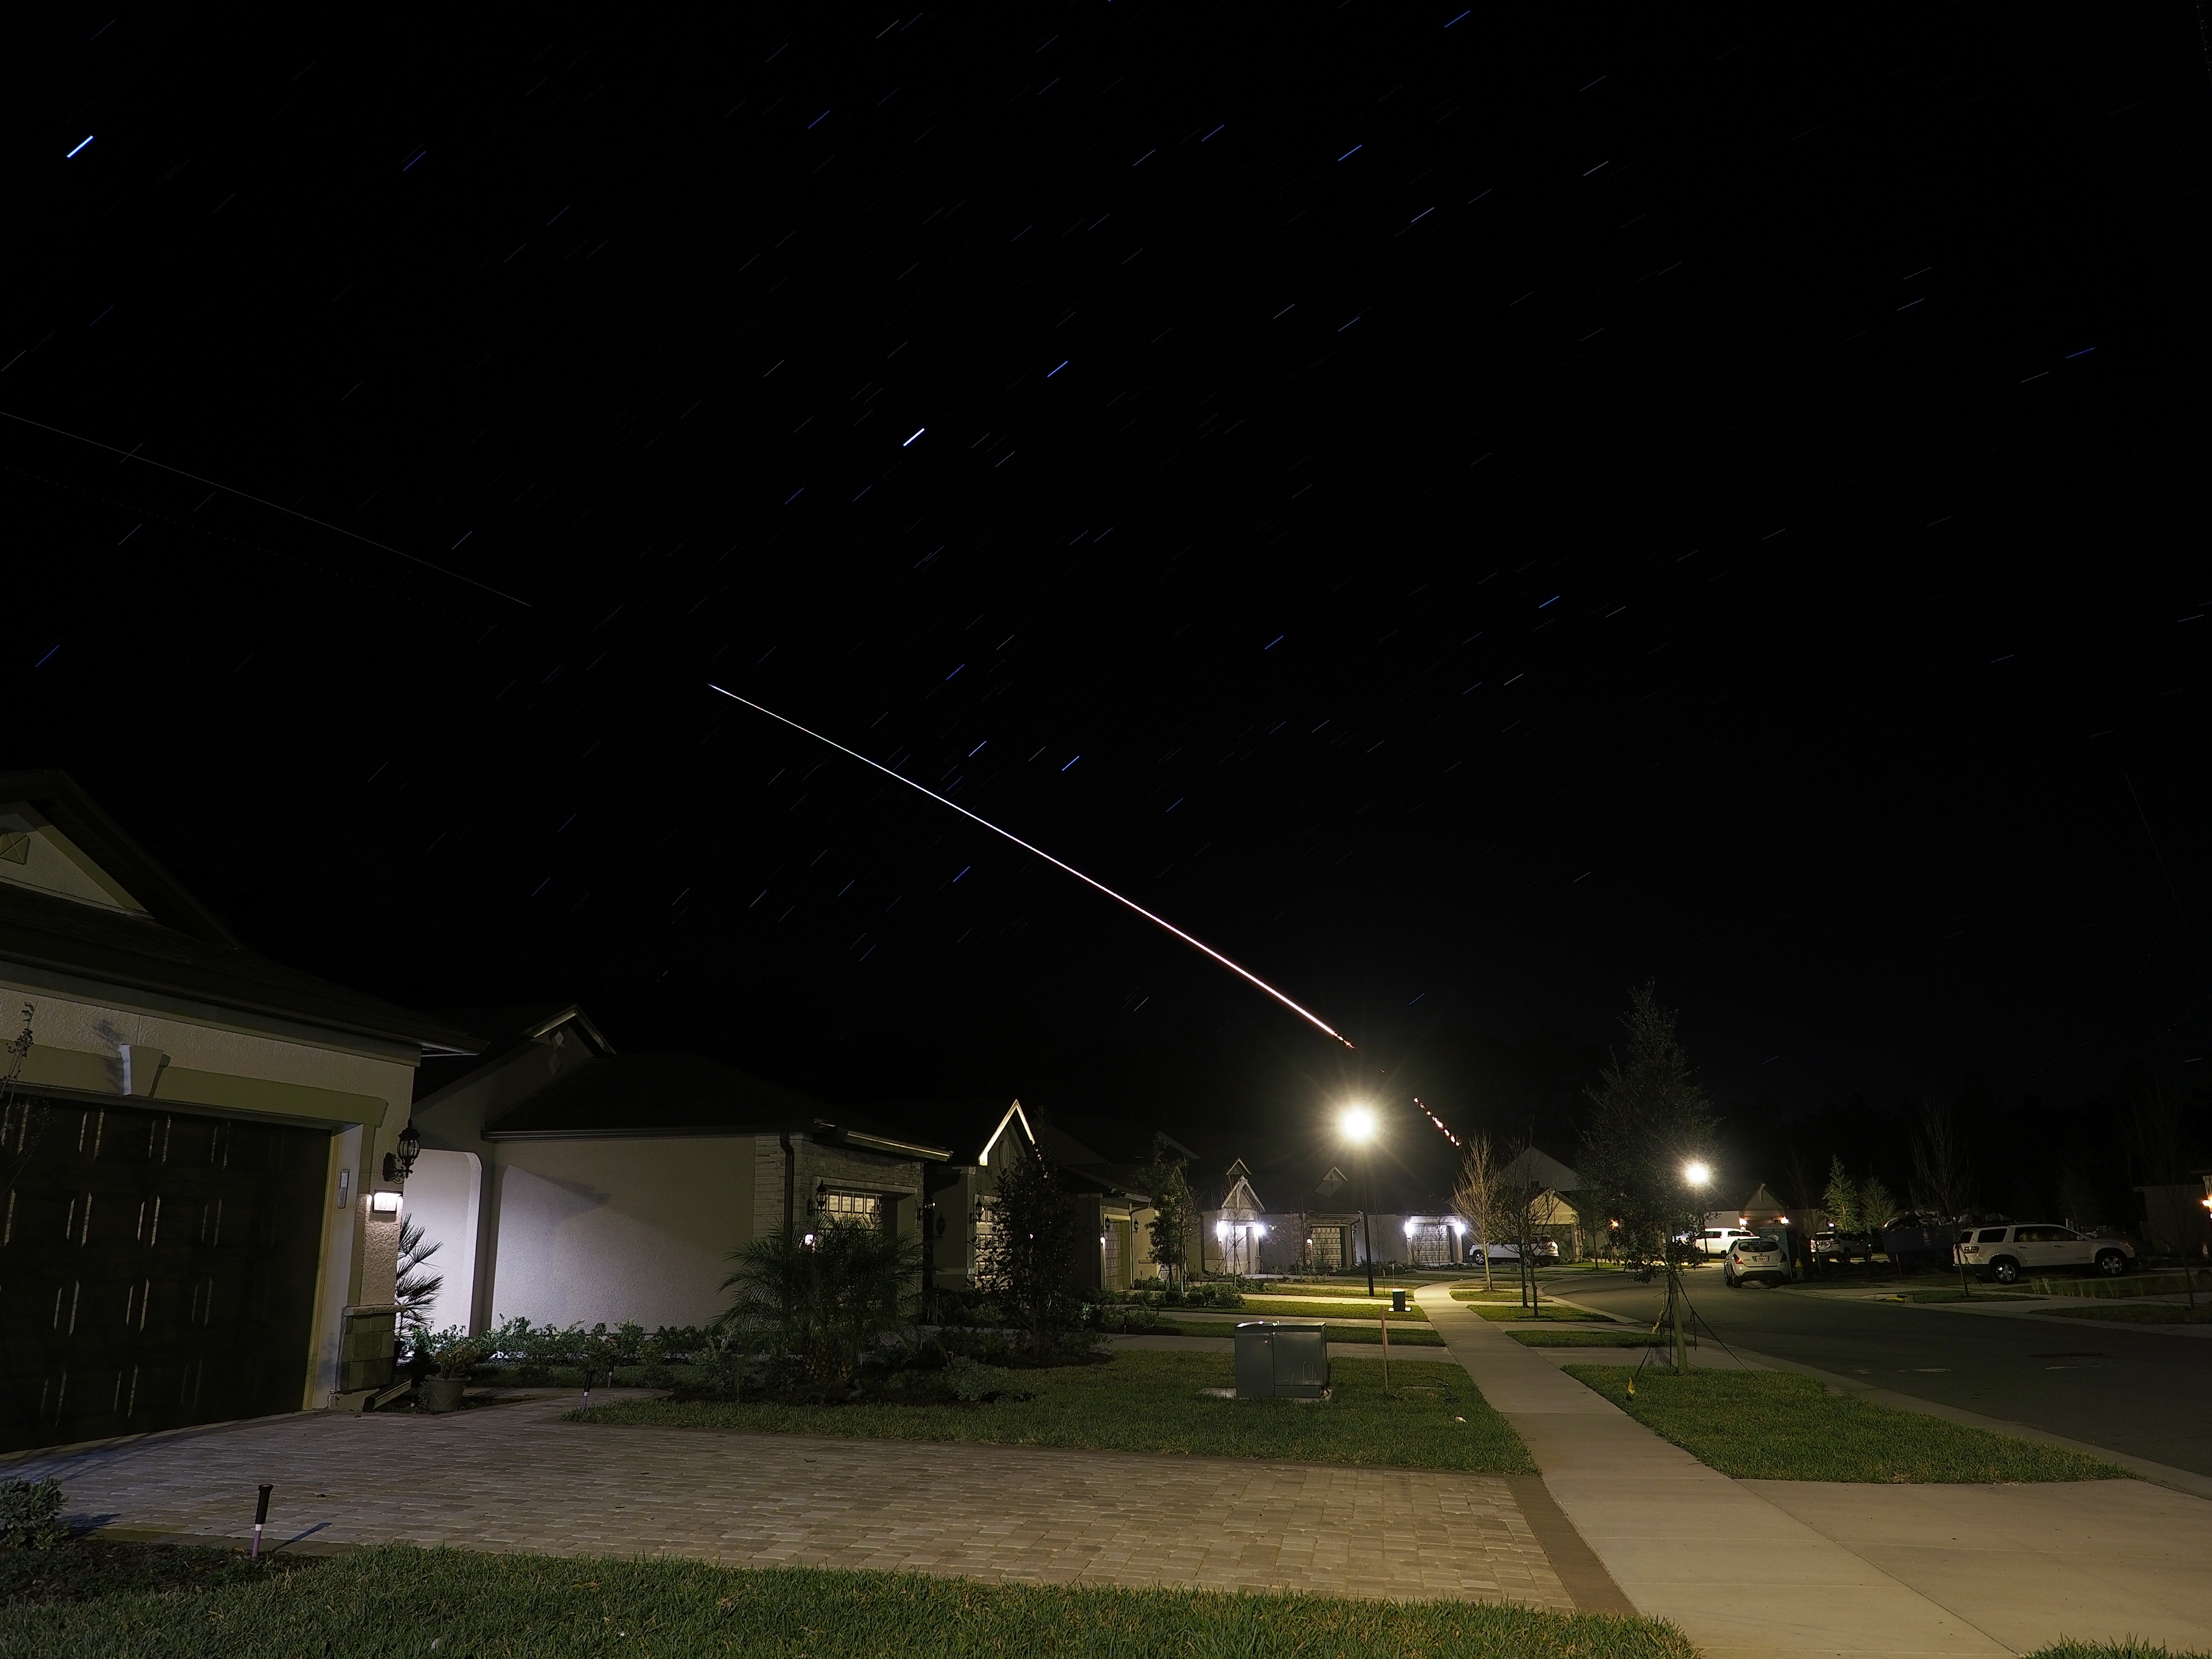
[[2125, 1648], [1540, 1338], [1354, 1288], [1777, 1425], [395, 1598], [1408, 1335], [1146, 1400], [2136, 1313], [1511, 1311], [1282, 1307]]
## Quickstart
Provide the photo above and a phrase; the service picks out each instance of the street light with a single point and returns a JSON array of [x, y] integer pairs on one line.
[[1357, 1125], [1695, 1175]]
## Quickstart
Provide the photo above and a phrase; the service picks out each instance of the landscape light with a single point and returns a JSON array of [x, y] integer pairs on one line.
[[1357, 1124], [1697, 1173]]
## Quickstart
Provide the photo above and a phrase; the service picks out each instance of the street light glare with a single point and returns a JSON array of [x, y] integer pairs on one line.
[[1357, 1123], [1697, 1174]]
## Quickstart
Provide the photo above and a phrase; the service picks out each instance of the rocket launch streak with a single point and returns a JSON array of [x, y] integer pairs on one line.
[[1310, 1019]]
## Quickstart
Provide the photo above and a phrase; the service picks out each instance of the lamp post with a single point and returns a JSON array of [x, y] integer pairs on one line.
[[1357, 1125], [1695, 1175]]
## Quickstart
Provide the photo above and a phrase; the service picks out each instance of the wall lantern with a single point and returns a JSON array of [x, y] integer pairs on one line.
[[1221, 1230], [384, 1203], [1410, 1225], [399, 1165]]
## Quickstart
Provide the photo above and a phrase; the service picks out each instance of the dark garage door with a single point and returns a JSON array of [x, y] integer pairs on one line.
[[156, 1268]]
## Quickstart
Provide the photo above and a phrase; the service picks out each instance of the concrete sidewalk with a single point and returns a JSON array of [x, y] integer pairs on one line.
[[1779, 1568]]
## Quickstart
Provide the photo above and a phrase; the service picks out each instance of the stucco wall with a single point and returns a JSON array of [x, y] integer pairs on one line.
[[441, 1196], [603, 1230]]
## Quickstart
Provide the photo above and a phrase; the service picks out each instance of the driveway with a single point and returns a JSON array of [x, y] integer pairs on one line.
[[515, 1477]]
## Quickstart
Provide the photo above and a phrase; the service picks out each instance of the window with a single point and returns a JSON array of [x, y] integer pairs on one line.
[[1989, 1235], [850, 1207]]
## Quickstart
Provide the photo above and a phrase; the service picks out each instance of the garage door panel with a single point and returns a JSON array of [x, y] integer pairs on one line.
[[156, 1268]]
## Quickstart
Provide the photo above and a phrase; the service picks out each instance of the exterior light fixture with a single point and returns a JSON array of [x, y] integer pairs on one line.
[[1697, 1172], [1221, 1230], [1409, 1226], [1260, 1227], [1357, 1124], [399, 1165], [384, 1203]]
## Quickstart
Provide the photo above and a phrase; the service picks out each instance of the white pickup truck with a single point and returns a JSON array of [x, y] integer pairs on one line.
[[2007, 1253]]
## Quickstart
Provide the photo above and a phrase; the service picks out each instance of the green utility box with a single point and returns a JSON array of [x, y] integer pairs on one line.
[[1282, 1359]]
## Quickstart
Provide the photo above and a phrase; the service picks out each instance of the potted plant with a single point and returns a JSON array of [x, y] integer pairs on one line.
[[453, 1355]]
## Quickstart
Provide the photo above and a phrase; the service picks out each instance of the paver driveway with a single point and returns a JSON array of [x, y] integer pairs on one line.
[[515, 1477]]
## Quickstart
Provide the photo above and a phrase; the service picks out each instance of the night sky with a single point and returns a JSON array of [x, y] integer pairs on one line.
[[1463, 514]]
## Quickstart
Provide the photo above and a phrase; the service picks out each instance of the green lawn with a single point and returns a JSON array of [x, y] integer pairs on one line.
[[1351, 1287], [1776, 1425], [1540, 1338], [1407, 1335], [2125, 1649], [2137, 1313], [398, 1600], [1508, 1311], [1284, 1307], [1147, 1400]]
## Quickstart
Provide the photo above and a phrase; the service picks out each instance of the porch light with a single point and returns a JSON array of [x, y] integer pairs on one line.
[[384, 1203], [1260, 1227], [1221, 1230], [399, 1165], [1409, 1226]]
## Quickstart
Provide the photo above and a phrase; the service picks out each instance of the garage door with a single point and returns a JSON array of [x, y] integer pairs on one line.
[[156, 1269]]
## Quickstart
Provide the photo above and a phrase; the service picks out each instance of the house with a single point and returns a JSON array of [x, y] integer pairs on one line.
[[1324, 1230], [1553, 1215], [1099, 1164], [566, 1182], [202, 1204]]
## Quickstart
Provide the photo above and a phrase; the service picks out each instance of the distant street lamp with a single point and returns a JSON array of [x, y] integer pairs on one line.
[[1357, 1125]]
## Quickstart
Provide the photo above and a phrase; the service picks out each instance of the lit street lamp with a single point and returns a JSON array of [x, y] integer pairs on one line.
[[1696, 1174], [1357, 1125]]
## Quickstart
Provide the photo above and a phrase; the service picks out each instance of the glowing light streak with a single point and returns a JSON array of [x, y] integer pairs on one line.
[[381, 547], [1434, 1119], [72, 156], [1161, 922]]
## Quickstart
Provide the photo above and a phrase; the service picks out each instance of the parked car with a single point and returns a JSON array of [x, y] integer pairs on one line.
[[1714, 1241], [2005, 1253], [1544, 1249], [1914, 1238], [1757, 1260], [1833, 1244]]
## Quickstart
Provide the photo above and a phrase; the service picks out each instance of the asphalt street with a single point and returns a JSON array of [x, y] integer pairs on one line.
[[2138, 1391]]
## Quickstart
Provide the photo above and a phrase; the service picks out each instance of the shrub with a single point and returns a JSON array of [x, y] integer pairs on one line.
[[31, 1515], [826, 1299]]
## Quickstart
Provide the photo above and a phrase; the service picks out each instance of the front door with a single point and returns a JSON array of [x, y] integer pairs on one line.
[[156, 1268]]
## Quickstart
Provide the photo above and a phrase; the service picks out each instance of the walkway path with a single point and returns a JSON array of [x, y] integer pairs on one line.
[[1781, 1568], [515, 1477]]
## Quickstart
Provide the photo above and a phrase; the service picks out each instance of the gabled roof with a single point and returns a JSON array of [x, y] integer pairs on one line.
[[109, 913], [506, 1030], [1533, 1167], [639, 1097]]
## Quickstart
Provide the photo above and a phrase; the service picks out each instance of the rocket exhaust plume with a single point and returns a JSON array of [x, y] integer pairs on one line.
[[1249, 977]]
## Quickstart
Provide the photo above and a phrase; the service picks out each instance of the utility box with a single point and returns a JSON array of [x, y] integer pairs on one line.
[[1282, 1359]]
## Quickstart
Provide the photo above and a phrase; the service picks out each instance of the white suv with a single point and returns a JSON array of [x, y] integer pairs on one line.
[[1714, 1241], [1758, 1259], [2005, 1253]]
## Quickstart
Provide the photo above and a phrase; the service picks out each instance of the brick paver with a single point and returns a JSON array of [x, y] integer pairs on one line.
[[515, 1477]]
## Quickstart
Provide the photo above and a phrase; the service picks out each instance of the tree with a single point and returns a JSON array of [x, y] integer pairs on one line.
[[1027, 1258], [1650, 1121], [1474, 1196], [1175, 1211], [416, 1290], [825, 1297], [1841, 1199], [1941, 1180], [2152, 1123]]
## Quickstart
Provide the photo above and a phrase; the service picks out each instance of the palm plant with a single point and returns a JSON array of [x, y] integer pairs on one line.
[[825, 1299], [416, 1290]]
